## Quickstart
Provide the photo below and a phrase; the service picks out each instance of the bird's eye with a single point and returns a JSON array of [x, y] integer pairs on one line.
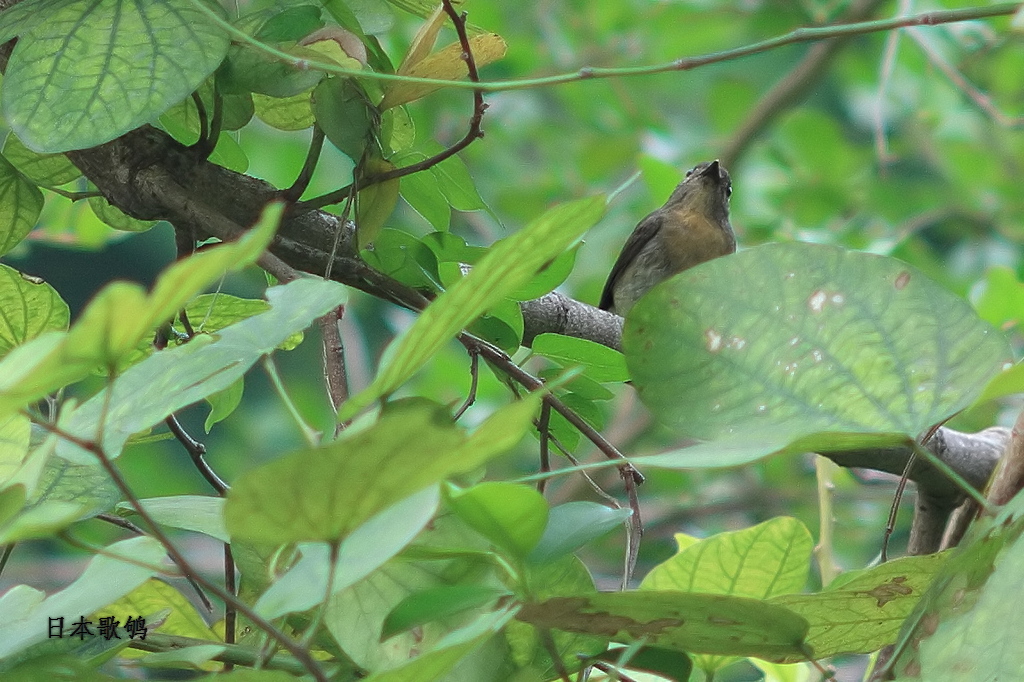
[[728, 190], [689, 173]]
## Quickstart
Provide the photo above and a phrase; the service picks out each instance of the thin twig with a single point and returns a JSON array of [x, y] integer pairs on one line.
[[611, 671], [230, 614], [475, 132], [474, 378], [74, 196], [8, 549], [186, 324], [209, 129], [353, 193], [299, 652], [335, 375], [316, 145], [598, 490], [799, 35], [634, 528], [894, 508], [543, 429], [197, 452], [115, 520]]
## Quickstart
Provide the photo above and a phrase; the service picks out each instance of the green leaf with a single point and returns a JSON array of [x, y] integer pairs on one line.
[[1007, 382], [769, 559], [958, 632], [208, 314], [12, 501], [456, 184], [504, 269], [87, 485], [118, 318], [600, 363], [199, 513], [344, 114], [375, 204], [404, 257], [291, 24], [59, 493], [155, 597], [671, 665], [169, 380], [355, 616], [451, 248], [433, 664], [574, 524], [424, 194], [223, 403], [83, 73], [787, 340], [247, 69], [372, 16], [552, 275], [182, 123], [502, 325], [690, 622], [511, 515], [15, 431], [438, 603], [366, 549], [50, 170], [116, 218], [1001, 302], [20, 205], [862, 611], [285, 113], [28, 308], [337, 487], [566, 575], [186, 657], [105, 579]]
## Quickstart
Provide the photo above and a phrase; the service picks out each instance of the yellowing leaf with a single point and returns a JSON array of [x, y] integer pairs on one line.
[[375, 203], [424, 40], [445, 64]]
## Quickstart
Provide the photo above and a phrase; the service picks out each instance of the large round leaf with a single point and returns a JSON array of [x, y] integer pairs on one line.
[[83, 73], [797, 339]]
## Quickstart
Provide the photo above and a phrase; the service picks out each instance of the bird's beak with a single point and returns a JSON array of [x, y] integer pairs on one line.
[[713, 171]]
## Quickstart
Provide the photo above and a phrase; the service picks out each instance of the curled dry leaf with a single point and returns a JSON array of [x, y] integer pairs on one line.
[[349, 43]]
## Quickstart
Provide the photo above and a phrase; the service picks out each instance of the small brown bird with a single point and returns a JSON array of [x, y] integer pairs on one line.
[[692, 227]]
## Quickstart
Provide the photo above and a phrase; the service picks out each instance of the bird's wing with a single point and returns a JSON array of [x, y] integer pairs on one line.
[[642, 234]]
